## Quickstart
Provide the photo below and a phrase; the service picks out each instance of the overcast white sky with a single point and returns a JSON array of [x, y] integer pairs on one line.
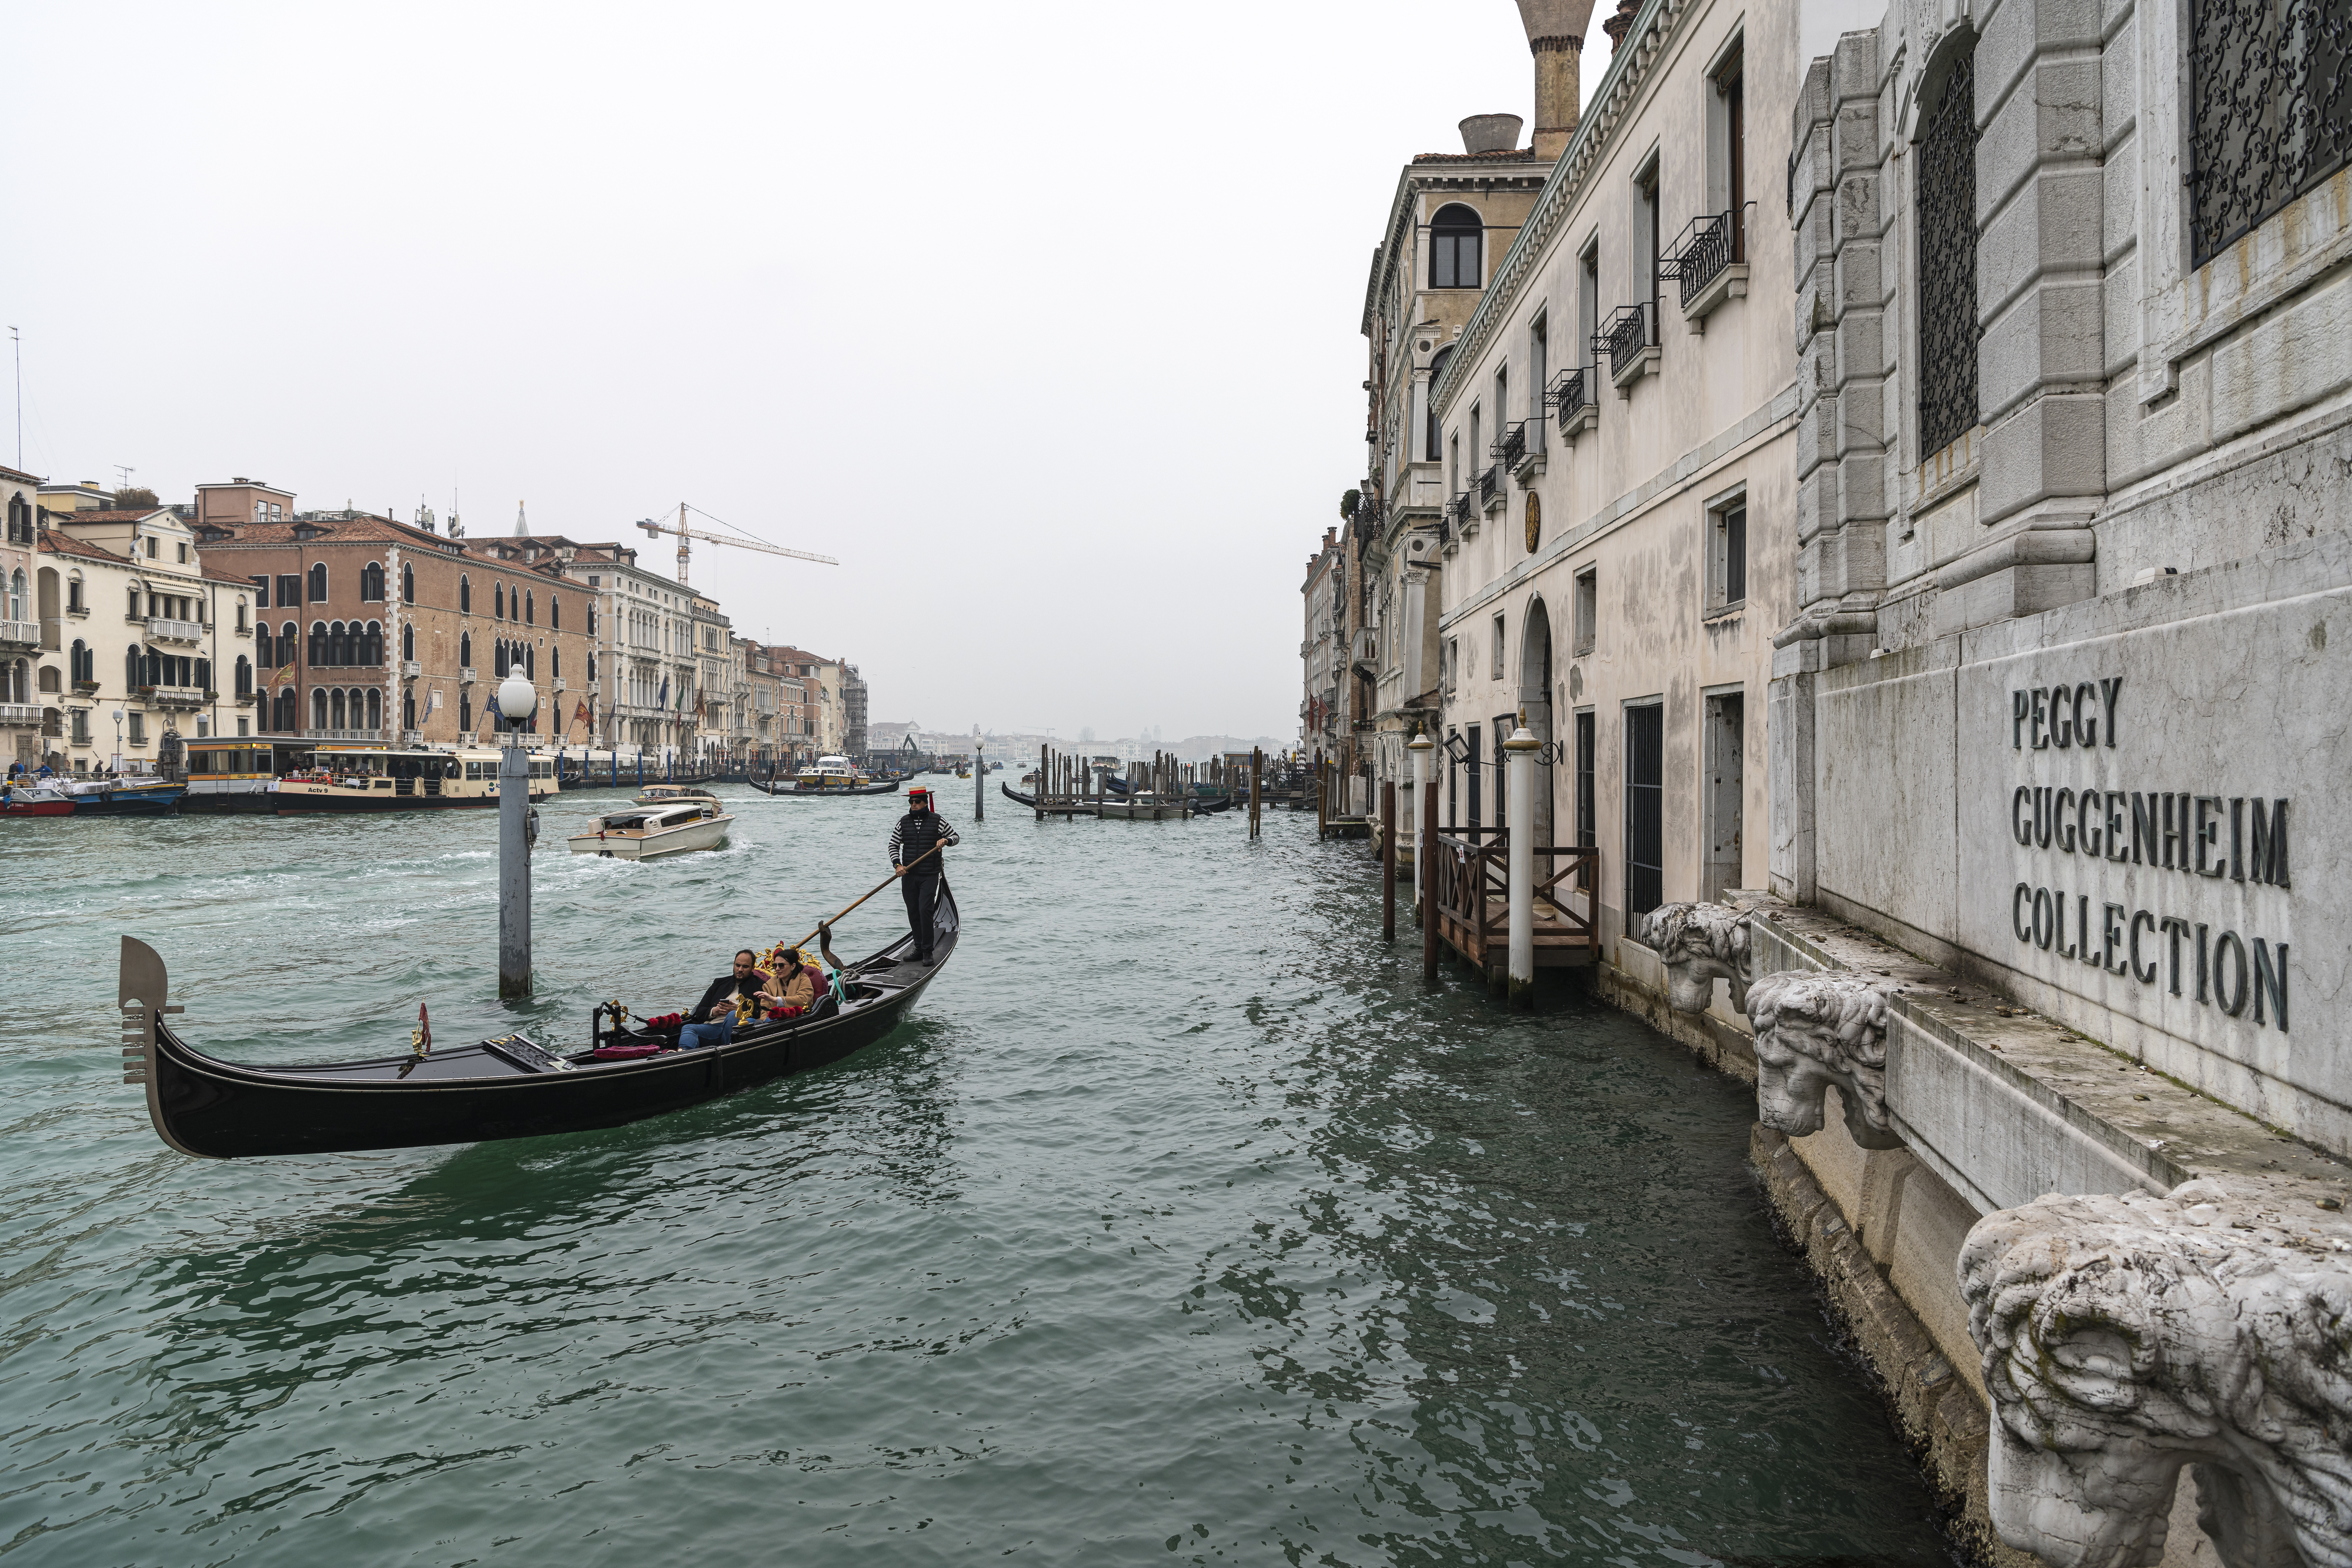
[[1041, 315]]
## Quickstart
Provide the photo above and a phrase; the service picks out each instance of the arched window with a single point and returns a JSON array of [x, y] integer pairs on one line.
[[409, 711], [371, 583], [1946, 171], [318, 654], [464, 596], [499, 601], [318, 583], [529, 608], [408, 585], [375, 708], [497, 661], [134, 668], [372, 653], [243, 676], [592, 668], [465, 715], [1454, 237], [336, 712], [16, 597], [555, 663], [286, 644], [465, 650], [408, 641], [531, 663], [318, 707], [554, 613]]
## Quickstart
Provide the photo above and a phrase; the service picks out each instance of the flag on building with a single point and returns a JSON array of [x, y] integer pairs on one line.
[[283, 677]]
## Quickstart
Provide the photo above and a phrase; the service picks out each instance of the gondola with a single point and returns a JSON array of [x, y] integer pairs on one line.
[[1016, 797], [786, 787], [507, 1087]]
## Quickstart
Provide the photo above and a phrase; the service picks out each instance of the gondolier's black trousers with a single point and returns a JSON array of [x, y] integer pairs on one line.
[[922, 890]]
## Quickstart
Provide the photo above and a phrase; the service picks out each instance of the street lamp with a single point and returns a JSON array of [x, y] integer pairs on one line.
[[515, 701], [118, 738]]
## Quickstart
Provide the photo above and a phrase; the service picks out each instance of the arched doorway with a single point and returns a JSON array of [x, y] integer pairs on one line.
[[1535, 697]]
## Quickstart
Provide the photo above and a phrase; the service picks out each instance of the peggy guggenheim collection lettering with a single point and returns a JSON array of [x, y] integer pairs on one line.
[[2180, 831]]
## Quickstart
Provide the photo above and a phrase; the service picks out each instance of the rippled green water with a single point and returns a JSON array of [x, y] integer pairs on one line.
[[1181, 1226]]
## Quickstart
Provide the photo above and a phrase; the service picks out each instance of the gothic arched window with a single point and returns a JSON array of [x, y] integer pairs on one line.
[[1456, 235], [318, 583], [464, 596], [408, 641], [465, 650], [371, 583], [408, 585]]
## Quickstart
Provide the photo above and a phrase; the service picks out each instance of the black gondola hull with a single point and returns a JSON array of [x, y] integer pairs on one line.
[[223, 1110]]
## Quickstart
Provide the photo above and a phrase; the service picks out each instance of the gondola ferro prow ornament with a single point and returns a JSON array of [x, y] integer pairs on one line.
[[141, 984]]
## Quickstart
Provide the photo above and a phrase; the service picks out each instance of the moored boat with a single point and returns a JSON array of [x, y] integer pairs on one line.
[[40, 801], [129, 797], [505, 1087], [649, 833]]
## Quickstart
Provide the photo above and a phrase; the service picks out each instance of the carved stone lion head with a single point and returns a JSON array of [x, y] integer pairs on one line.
[[1697, 942], [2127, 1336], [1812, 1030]]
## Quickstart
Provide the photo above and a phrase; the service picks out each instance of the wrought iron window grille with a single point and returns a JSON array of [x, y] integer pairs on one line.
[[1707, 245], [1623, 338], [1947, 174], [1490, 484], [1513, 447], [1571, 390], [2271, 89]]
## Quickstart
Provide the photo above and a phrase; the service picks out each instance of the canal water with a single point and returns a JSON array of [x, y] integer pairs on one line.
[[1180, 1226]]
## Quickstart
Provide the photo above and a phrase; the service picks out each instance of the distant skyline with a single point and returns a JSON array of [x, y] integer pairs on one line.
[[1042, 319]]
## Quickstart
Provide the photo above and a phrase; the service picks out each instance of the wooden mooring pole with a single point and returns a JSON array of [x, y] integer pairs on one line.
[[1387, 860], [1257, 771]]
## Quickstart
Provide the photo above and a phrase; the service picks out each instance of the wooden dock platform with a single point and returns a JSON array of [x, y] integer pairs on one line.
[[1472, 900]]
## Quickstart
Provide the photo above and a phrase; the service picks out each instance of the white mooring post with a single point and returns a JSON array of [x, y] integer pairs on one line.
[[1520, 758], [517, 701], [1421, 746]]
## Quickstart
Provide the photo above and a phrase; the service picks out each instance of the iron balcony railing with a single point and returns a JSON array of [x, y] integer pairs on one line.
[[1632, 330], [1513, 447], [1571, 390], [1490, 484], [1710, 244]]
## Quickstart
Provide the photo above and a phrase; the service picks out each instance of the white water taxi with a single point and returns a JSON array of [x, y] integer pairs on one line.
[[648, 832], [675, 794]]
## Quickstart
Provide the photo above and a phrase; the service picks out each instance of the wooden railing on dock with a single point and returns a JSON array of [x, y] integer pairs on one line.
[[1472, 899]]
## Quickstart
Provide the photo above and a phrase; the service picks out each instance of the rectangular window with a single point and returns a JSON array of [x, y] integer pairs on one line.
[[150, 547], [1539, 367], [242, 724], [1726, 553], [290, 590], [82, 727], [1496, 673], [1472, 765], [1726, 793], [1946, 201], [1645, 774], [2269, 119], [138, 729], [1588, 303], [1588, 610], [183, 554], [1644, 233], [1586, 821]]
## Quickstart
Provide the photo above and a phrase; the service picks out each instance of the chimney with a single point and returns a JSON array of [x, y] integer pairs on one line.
[[1556, 37], [1491, 134]]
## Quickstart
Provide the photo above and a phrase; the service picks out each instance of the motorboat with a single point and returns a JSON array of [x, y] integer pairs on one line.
[[134, 795], [830, 773], [44, 799], [673, 794], [649, 833], [508, 1086]]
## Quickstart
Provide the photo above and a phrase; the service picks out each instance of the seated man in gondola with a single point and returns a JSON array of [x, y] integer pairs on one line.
[[713, 1021]]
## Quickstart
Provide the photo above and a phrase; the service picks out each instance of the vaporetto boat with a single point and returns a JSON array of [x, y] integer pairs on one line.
[[362, 778]]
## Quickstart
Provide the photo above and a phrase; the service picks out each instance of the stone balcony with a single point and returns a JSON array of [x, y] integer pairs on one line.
[[20, 635], [175, 696], [20, 716], [160, 629]]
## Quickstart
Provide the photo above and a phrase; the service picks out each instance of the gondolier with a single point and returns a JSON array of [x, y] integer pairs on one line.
[[913, 845]]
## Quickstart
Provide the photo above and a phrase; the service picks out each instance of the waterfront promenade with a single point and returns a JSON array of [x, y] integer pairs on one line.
[[1183, 1225]]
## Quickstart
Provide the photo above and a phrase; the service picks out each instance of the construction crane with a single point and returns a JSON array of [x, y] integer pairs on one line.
[[685, 533]]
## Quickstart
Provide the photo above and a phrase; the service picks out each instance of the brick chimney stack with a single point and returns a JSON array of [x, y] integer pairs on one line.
[[1556, 37]]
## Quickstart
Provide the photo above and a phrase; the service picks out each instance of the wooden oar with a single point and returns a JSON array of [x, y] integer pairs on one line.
[[877, 887]]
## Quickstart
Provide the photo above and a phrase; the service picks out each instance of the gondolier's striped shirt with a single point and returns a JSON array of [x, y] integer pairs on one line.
[[947, 835]]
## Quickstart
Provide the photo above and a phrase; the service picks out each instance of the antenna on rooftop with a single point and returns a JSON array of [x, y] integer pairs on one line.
[[126, 470]]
